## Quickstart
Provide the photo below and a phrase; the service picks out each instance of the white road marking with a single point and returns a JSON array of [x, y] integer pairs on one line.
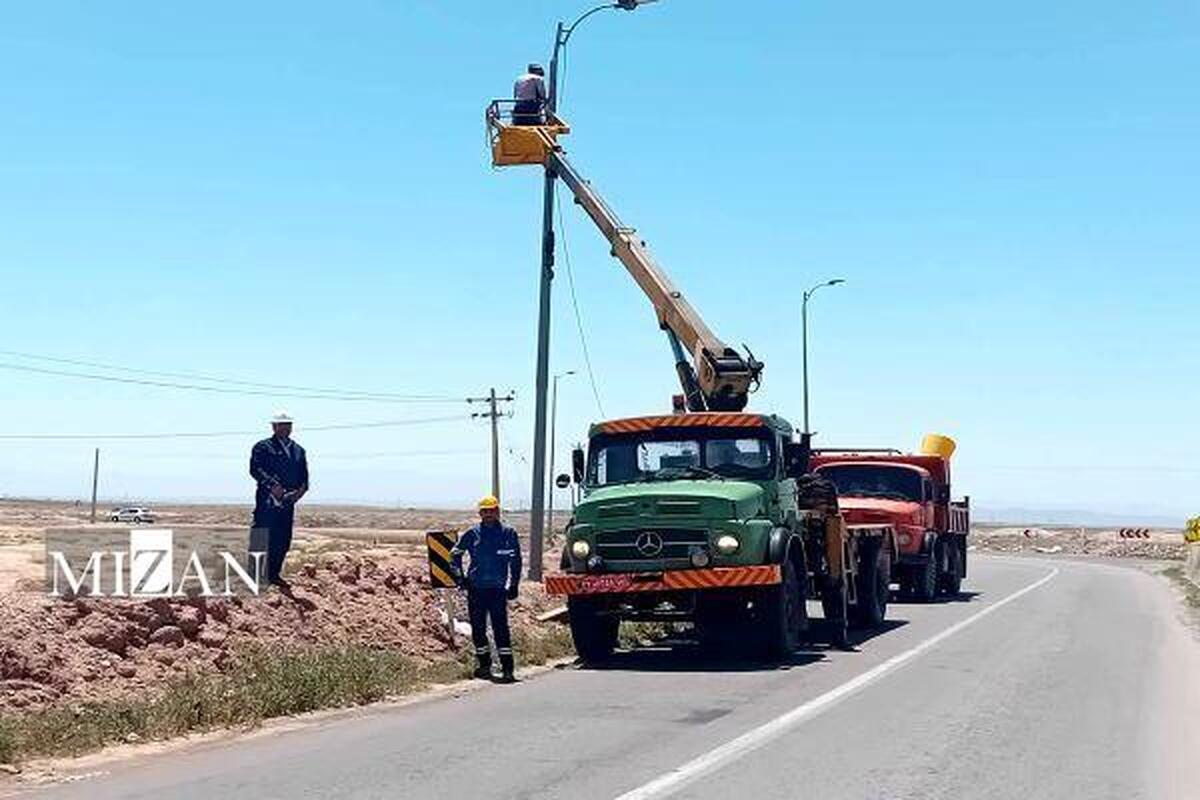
[[676, 779]]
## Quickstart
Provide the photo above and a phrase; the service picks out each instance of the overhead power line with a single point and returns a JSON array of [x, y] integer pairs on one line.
[[321, 455], [1125, 469], [295, 395], [512, 452], [216, 434], [250, 387], [587, 357]]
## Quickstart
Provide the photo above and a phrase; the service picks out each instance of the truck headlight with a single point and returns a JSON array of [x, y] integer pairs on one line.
[[727, 544], [580, 549]]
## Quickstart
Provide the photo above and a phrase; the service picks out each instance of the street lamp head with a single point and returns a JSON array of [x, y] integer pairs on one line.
[[810, 292], [630, 5]]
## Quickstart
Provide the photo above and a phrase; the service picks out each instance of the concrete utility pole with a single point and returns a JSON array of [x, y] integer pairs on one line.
[[537, 510], [804, 339], [95, 483], [493, 413]]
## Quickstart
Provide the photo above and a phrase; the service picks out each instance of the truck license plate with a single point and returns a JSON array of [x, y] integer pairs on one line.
[[604, 583]]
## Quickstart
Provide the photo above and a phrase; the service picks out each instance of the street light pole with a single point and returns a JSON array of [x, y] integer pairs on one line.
[[553, 423], [562, 35], [804, 339]]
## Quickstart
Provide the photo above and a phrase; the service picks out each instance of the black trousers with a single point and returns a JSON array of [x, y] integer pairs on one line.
[[527, 112], [278, 521], [485, 604]]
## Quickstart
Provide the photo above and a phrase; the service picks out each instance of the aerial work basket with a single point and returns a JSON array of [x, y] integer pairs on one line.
[[520, 144]]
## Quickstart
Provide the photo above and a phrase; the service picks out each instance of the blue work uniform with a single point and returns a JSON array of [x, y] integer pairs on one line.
[[495, 567], [274, 461]]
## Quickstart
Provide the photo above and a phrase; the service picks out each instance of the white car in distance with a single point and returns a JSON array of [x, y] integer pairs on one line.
[[134, 514]]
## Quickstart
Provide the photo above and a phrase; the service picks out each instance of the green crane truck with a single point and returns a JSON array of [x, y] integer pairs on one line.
[[711, 518], [709, 514]]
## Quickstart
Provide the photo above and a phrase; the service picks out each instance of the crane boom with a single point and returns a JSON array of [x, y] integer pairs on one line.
[[717, 377]]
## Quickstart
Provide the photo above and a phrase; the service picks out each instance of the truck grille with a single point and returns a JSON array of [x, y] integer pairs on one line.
[[623, 545], [678, 507], [627, 509]]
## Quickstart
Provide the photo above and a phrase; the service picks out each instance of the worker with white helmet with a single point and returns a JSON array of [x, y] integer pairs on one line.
[[279, 466], [491, 581]]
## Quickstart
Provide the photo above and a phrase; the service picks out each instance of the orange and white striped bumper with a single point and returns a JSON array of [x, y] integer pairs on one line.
[[672, 580]]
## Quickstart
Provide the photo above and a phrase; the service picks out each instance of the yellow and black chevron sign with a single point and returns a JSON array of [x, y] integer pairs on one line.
[[440, 543], [1192, 532]]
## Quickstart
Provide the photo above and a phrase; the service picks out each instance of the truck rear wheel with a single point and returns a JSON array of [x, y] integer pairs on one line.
[[785, 612], [595, 635], [925, 578], [950, 581], [874, 584]]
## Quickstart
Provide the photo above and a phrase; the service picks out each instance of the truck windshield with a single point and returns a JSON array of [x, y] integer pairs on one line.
[[874, 480], [627, 459]]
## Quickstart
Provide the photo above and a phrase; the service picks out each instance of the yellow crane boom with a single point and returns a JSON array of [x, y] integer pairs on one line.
[[714, 376]]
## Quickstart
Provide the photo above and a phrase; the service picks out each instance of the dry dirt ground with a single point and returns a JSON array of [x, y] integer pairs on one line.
[[1162, 544], [359, 576]]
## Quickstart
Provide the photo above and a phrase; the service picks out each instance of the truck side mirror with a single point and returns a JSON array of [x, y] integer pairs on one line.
[[563, 481], [577, 464], [797, 455]]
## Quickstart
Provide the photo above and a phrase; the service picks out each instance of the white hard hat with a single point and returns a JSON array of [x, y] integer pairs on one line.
[[282, 418]]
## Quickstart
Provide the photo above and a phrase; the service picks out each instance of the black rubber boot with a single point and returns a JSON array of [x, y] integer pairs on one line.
[[483, 667], [506, 669]]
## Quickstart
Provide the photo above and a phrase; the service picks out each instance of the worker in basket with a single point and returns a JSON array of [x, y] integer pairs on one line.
[[529, 92], [491, 580]]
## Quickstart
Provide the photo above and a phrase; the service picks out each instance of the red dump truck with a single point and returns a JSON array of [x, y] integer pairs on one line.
[[910, 492]]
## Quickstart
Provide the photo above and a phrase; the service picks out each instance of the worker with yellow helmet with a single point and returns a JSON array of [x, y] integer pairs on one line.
[[491, 580]]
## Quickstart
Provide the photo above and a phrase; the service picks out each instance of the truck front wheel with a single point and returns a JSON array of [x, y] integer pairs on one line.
[[925, 577], [594, 634], [785, 612]]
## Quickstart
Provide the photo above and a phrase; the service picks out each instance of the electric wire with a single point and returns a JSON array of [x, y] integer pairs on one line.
[[253, 387], [507, 446], [217, 434], [587, 357], [516, 458], [321, 455]]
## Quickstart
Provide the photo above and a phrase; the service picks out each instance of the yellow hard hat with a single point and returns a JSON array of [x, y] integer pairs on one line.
[[489, 502]]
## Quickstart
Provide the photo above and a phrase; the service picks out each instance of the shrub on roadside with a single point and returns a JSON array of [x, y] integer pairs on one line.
[[8, 740], [261, 683]]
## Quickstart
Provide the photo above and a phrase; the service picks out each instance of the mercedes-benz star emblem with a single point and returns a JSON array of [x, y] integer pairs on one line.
[[649, 544]]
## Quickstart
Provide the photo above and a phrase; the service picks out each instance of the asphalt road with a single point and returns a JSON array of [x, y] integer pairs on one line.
[[1051, 679]]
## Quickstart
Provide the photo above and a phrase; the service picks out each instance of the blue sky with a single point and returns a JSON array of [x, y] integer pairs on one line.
[[299, 193]]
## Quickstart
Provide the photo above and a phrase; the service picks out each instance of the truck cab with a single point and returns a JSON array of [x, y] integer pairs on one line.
[[885, 492], [912, 493], [661, 494]]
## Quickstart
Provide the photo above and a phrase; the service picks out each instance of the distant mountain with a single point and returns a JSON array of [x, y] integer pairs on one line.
[[1063, 516]]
